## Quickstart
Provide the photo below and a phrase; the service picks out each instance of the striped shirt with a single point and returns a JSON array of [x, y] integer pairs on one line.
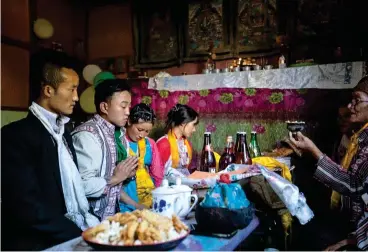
[[349, 183], [361, 233]]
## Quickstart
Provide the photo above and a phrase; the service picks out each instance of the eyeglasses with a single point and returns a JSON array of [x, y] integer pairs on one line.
[[354, 102]]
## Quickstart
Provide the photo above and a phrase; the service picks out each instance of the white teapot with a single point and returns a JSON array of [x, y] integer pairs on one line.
[[165, 200], [169, 200]]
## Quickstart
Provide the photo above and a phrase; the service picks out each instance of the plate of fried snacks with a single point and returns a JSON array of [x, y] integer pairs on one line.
[[138, 230]]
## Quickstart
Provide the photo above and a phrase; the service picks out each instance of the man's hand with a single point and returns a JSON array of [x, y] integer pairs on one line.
[[337, 246], [304, 143], [124, 170]]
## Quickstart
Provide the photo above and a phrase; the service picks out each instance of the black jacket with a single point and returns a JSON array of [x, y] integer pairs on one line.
[[32, 204]]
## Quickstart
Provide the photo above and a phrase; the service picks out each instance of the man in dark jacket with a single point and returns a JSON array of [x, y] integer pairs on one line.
[[35, 185]]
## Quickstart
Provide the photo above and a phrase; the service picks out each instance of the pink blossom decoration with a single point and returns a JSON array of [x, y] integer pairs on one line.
[[260, 129], [211, 127], [202, 103], [163, 105], [248, 103]]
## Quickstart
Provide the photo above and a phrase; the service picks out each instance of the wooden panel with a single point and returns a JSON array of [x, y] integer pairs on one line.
[[60, 14], [110, 32], [14, 77], [15, 19]]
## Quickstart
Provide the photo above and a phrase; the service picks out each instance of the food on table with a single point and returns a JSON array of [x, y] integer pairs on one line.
[[279, 152], [140, 227]]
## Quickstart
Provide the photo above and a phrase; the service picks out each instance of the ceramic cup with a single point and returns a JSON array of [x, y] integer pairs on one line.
[[185, 200], [268, 67], [257, 67]]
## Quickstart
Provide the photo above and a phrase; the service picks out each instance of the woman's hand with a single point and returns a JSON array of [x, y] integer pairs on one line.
[[140, 206], [304, 143]]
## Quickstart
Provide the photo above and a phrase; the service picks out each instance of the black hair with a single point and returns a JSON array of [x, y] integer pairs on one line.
[[106, 89], [142, 112], [180, 114], [45, 69]]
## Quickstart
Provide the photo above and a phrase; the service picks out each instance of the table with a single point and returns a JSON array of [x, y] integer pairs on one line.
[[191, 243]]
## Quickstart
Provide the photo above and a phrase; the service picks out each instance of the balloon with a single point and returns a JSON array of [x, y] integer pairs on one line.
[[90, 72], [43, 28], [100, 77], [87, 100]]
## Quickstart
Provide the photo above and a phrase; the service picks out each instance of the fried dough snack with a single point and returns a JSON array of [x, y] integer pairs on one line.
[[138, 227]]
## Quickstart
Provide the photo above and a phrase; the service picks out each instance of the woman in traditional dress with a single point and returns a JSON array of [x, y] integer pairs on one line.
[[175, 148], [137, 191]]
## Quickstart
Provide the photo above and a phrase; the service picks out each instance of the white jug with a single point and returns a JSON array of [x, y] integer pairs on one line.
[[185, 199]]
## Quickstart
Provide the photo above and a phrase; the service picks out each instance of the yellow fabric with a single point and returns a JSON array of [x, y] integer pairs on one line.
[[345, 164], [269, 162], [286, 221], [217, 157], [143, 179], [175, 157]]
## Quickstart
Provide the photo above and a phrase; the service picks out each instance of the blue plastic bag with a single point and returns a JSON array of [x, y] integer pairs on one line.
[[223, 195]]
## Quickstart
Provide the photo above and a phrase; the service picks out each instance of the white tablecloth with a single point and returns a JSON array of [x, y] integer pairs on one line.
[[329, 76]]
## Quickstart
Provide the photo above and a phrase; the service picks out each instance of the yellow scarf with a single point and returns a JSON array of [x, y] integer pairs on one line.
[[271, 163], [175, 157], [143, 179], [350, 153]]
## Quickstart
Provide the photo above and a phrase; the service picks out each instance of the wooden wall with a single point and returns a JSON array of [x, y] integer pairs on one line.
[[15, 53], [18, 41]]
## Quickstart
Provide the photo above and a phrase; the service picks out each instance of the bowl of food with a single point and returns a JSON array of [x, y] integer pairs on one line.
[[138, 230]]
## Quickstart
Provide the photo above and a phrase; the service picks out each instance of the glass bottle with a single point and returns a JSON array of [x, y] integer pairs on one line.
[[228, 157], [242, 155], [208, 161], [253, 145]]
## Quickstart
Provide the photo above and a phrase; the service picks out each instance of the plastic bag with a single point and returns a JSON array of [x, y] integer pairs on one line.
[[223, 195]]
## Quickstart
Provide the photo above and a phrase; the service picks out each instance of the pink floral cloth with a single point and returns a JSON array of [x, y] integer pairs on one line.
[[249, 102]]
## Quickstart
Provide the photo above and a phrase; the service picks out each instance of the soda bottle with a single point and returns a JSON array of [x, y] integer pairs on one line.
[[242, 155], [208, 161], [228, 157], [253, 145]]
